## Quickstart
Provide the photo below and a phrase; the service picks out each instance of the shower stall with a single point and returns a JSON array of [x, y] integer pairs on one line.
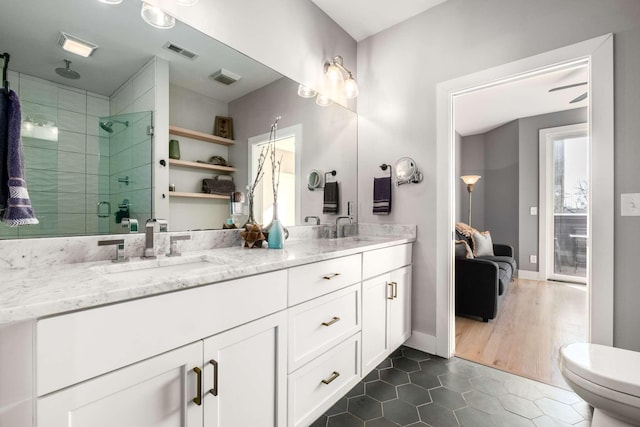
[[95, 172]]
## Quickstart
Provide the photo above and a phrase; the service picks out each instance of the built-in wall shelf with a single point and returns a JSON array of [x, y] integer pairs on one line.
[[198, 195], [175, 130], [198, 165]]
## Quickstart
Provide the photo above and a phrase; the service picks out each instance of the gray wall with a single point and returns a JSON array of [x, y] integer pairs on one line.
[[329, 141], [459, 37], [472, 161], [528, 172], [501, 184]]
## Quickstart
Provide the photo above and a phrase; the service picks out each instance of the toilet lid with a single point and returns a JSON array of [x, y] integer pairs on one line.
[[610, 367]]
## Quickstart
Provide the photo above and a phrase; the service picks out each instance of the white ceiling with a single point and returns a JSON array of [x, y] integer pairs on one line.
[[480, 111], [364, 18], [29, 32]]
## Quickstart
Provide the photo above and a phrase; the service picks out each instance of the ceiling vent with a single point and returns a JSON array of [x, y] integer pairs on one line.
[[225, 76], [180, 51]]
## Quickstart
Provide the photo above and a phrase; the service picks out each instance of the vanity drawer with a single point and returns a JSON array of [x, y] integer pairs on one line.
[[75, 347], [384, 260], [313, 280], [319, 324], [315, 387]]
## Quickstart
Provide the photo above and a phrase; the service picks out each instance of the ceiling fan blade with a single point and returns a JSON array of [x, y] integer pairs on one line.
[[578, 99], [567, 86]]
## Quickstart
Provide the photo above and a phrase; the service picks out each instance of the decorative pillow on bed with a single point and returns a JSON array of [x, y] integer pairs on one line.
[[463, 250], [482, 244]]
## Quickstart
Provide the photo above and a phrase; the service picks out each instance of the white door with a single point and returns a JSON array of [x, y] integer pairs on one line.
[[399, 328], [375, 294], [564, 190], [157, 392], [245, 375]]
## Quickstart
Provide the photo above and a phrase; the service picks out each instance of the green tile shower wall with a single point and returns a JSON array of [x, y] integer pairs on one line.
[[67, 178]]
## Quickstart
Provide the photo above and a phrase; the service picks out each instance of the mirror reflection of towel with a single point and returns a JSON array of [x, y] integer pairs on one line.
[[331, 198], [382, 196]]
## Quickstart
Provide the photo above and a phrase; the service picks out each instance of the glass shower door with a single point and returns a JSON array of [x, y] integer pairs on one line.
[[124, 174]]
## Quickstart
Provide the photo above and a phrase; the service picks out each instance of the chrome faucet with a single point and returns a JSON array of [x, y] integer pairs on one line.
[[307, 218], [150, 228], [338, 233], [119, 244], [173, 244]]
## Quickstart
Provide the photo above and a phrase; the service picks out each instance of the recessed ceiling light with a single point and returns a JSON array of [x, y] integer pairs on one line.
[[156, 17], [76, 45], [110, 1]]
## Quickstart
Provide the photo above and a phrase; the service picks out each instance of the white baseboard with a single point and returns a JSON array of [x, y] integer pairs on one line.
[[528, 275], [421, 341]]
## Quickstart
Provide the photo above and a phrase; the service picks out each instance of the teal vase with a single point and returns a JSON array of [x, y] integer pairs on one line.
[[276, 235]]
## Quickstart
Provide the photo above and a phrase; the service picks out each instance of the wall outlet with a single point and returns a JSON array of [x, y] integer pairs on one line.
[[533, 259], [533, 210], [630, 204]]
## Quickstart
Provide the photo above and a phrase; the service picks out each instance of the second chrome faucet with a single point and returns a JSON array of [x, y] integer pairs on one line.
[[151, 226]]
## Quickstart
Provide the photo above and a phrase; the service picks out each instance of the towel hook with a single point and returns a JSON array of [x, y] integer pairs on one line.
[[384, 167], [333, 173], [5, 82]]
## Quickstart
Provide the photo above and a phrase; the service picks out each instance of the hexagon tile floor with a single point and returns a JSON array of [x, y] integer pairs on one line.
[[412, 388]]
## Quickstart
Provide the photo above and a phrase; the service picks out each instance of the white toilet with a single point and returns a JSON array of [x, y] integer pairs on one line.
[[607, 378]]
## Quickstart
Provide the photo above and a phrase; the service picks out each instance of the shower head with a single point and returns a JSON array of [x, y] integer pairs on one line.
[[67, 72], [108, 125]]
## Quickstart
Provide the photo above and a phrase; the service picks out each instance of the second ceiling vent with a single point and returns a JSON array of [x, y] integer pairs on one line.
[[225, 76]]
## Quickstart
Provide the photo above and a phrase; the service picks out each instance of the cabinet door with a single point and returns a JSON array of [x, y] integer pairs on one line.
[[399, 327], [245, 375], [374, 321], [157, 392]]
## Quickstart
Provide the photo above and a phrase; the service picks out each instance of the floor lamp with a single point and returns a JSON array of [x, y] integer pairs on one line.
[[470, 180]]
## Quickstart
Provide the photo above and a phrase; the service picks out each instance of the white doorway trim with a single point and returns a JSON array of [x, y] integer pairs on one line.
[[599, 54], [545, 213]]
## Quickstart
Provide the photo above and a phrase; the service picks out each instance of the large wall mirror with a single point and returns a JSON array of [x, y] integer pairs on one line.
[[88, 124]]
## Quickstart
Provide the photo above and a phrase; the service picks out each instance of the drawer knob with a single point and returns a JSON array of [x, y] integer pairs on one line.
[[331, 322], [333, 376], [330, 276]]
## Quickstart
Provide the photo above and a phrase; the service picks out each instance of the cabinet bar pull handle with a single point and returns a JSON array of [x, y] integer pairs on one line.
[[333, 376], [198, 399], [214, 390], [390, 296], [331, 322], [395, 289], [330, 276]]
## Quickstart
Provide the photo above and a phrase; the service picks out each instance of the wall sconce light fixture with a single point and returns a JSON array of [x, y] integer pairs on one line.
[[340, 78]]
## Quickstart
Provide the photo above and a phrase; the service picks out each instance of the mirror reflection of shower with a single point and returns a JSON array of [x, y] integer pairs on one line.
[[108, 125]]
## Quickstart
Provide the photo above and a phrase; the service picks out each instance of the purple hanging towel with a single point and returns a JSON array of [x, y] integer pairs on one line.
[[382, 196], [15, 205]]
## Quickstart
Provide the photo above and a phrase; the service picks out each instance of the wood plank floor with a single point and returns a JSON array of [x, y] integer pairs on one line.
[[534, 320]]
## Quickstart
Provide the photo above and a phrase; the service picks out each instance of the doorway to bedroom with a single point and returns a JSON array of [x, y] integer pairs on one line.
[[498, 131]]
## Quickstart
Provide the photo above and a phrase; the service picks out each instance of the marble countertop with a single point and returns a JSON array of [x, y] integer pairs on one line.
[[34, 292]]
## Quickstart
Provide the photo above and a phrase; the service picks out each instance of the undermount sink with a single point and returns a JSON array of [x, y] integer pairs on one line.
[[166, 266], [355, 239]]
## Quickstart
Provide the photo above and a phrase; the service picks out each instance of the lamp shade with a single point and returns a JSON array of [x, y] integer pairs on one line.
[[470, 179]]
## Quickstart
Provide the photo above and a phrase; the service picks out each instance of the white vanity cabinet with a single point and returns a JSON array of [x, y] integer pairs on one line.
[[157, 392], [86, 376], [324, 335], [275, 349], [386, 303], [245, 375]]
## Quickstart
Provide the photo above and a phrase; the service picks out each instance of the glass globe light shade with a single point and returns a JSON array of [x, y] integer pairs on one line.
[[155, 17], [351, 87], [323, 100], [306, 92]]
